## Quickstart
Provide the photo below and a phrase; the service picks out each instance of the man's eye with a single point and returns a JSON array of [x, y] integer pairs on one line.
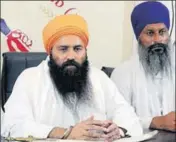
[[162, 32], [150, 33], [63, 49], [77, 49]]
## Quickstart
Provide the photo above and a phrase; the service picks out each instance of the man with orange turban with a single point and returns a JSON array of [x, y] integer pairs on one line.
[[65, 97]]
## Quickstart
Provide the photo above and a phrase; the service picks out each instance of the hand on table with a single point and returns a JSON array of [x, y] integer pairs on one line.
[[169, 121], [89, 129], [113, 132]]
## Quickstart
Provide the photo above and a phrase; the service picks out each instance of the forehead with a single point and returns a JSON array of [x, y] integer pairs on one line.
[[155, 27], [69, 40]]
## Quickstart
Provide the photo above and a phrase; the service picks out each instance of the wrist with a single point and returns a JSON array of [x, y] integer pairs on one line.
[[56, 132], [67, 133]]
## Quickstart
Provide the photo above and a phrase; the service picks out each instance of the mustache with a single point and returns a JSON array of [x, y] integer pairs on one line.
[[155, 58], [158, 48], [72, 63]]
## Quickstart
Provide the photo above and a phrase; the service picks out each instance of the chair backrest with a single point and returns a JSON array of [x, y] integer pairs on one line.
[[107, 70], [13, 64]]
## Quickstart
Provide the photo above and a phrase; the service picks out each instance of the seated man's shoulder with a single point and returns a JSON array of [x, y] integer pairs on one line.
[[100, 76], [97, 72], [123, 69], [30, 71], [30, 74]]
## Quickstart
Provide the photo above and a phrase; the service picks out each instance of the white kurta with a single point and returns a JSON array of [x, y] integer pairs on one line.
[[34, 106], [149, 99]]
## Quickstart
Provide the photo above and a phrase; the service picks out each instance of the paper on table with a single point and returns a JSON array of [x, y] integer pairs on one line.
[[146, 136], [132, 139]]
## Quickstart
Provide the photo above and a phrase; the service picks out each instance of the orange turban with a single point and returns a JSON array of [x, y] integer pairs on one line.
[[71, 24]]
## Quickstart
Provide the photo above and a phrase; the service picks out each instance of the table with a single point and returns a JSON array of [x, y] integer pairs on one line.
[[162, 136]]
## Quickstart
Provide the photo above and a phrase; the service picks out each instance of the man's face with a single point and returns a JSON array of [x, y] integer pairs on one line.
[[69, 68], [154, 33], [69, 47], [154, 50]]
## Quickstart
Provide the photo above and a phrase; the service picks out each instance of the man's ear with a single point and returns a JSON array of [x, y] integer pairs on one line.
[[139, 41], [51, 49]]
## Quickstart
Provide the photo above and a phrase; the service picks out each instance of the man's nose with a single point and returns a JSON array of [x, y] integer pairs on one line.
[[70, 55], [157, 38]]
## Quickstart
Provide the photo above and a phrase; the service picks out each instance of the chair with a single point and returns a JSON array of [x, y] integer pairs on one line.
[[107, 70], [13, 64]]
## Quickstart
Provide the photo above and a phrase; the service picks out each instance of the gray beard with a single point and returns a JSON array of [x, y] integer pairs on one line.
[[155, 64], [73, 103]]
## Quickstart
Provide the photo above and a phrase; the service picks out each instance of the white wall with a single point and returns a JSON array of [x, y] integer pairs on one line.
[[109, 26]]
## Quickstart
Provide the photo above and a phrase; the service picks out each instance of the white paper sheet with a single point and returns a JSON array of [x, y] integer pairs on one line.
[[146, 136]]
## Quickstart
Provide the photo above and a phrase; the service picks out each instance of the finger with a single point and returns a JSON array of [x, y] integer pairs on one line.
[[95, 122], [112, 138], [95, 127], [116, 137], [109, 140], [93, 134], [116, 132], [107, 123], [112, 127]]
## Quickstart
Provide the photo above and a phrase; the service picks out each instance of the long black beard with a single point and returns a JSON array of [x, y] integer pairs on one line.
[[155, 58], [73, 85]]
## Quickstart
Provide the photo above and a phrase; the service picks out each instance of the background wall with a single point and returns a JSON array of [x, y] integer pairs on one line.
[[111, 36], [109, 26]]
